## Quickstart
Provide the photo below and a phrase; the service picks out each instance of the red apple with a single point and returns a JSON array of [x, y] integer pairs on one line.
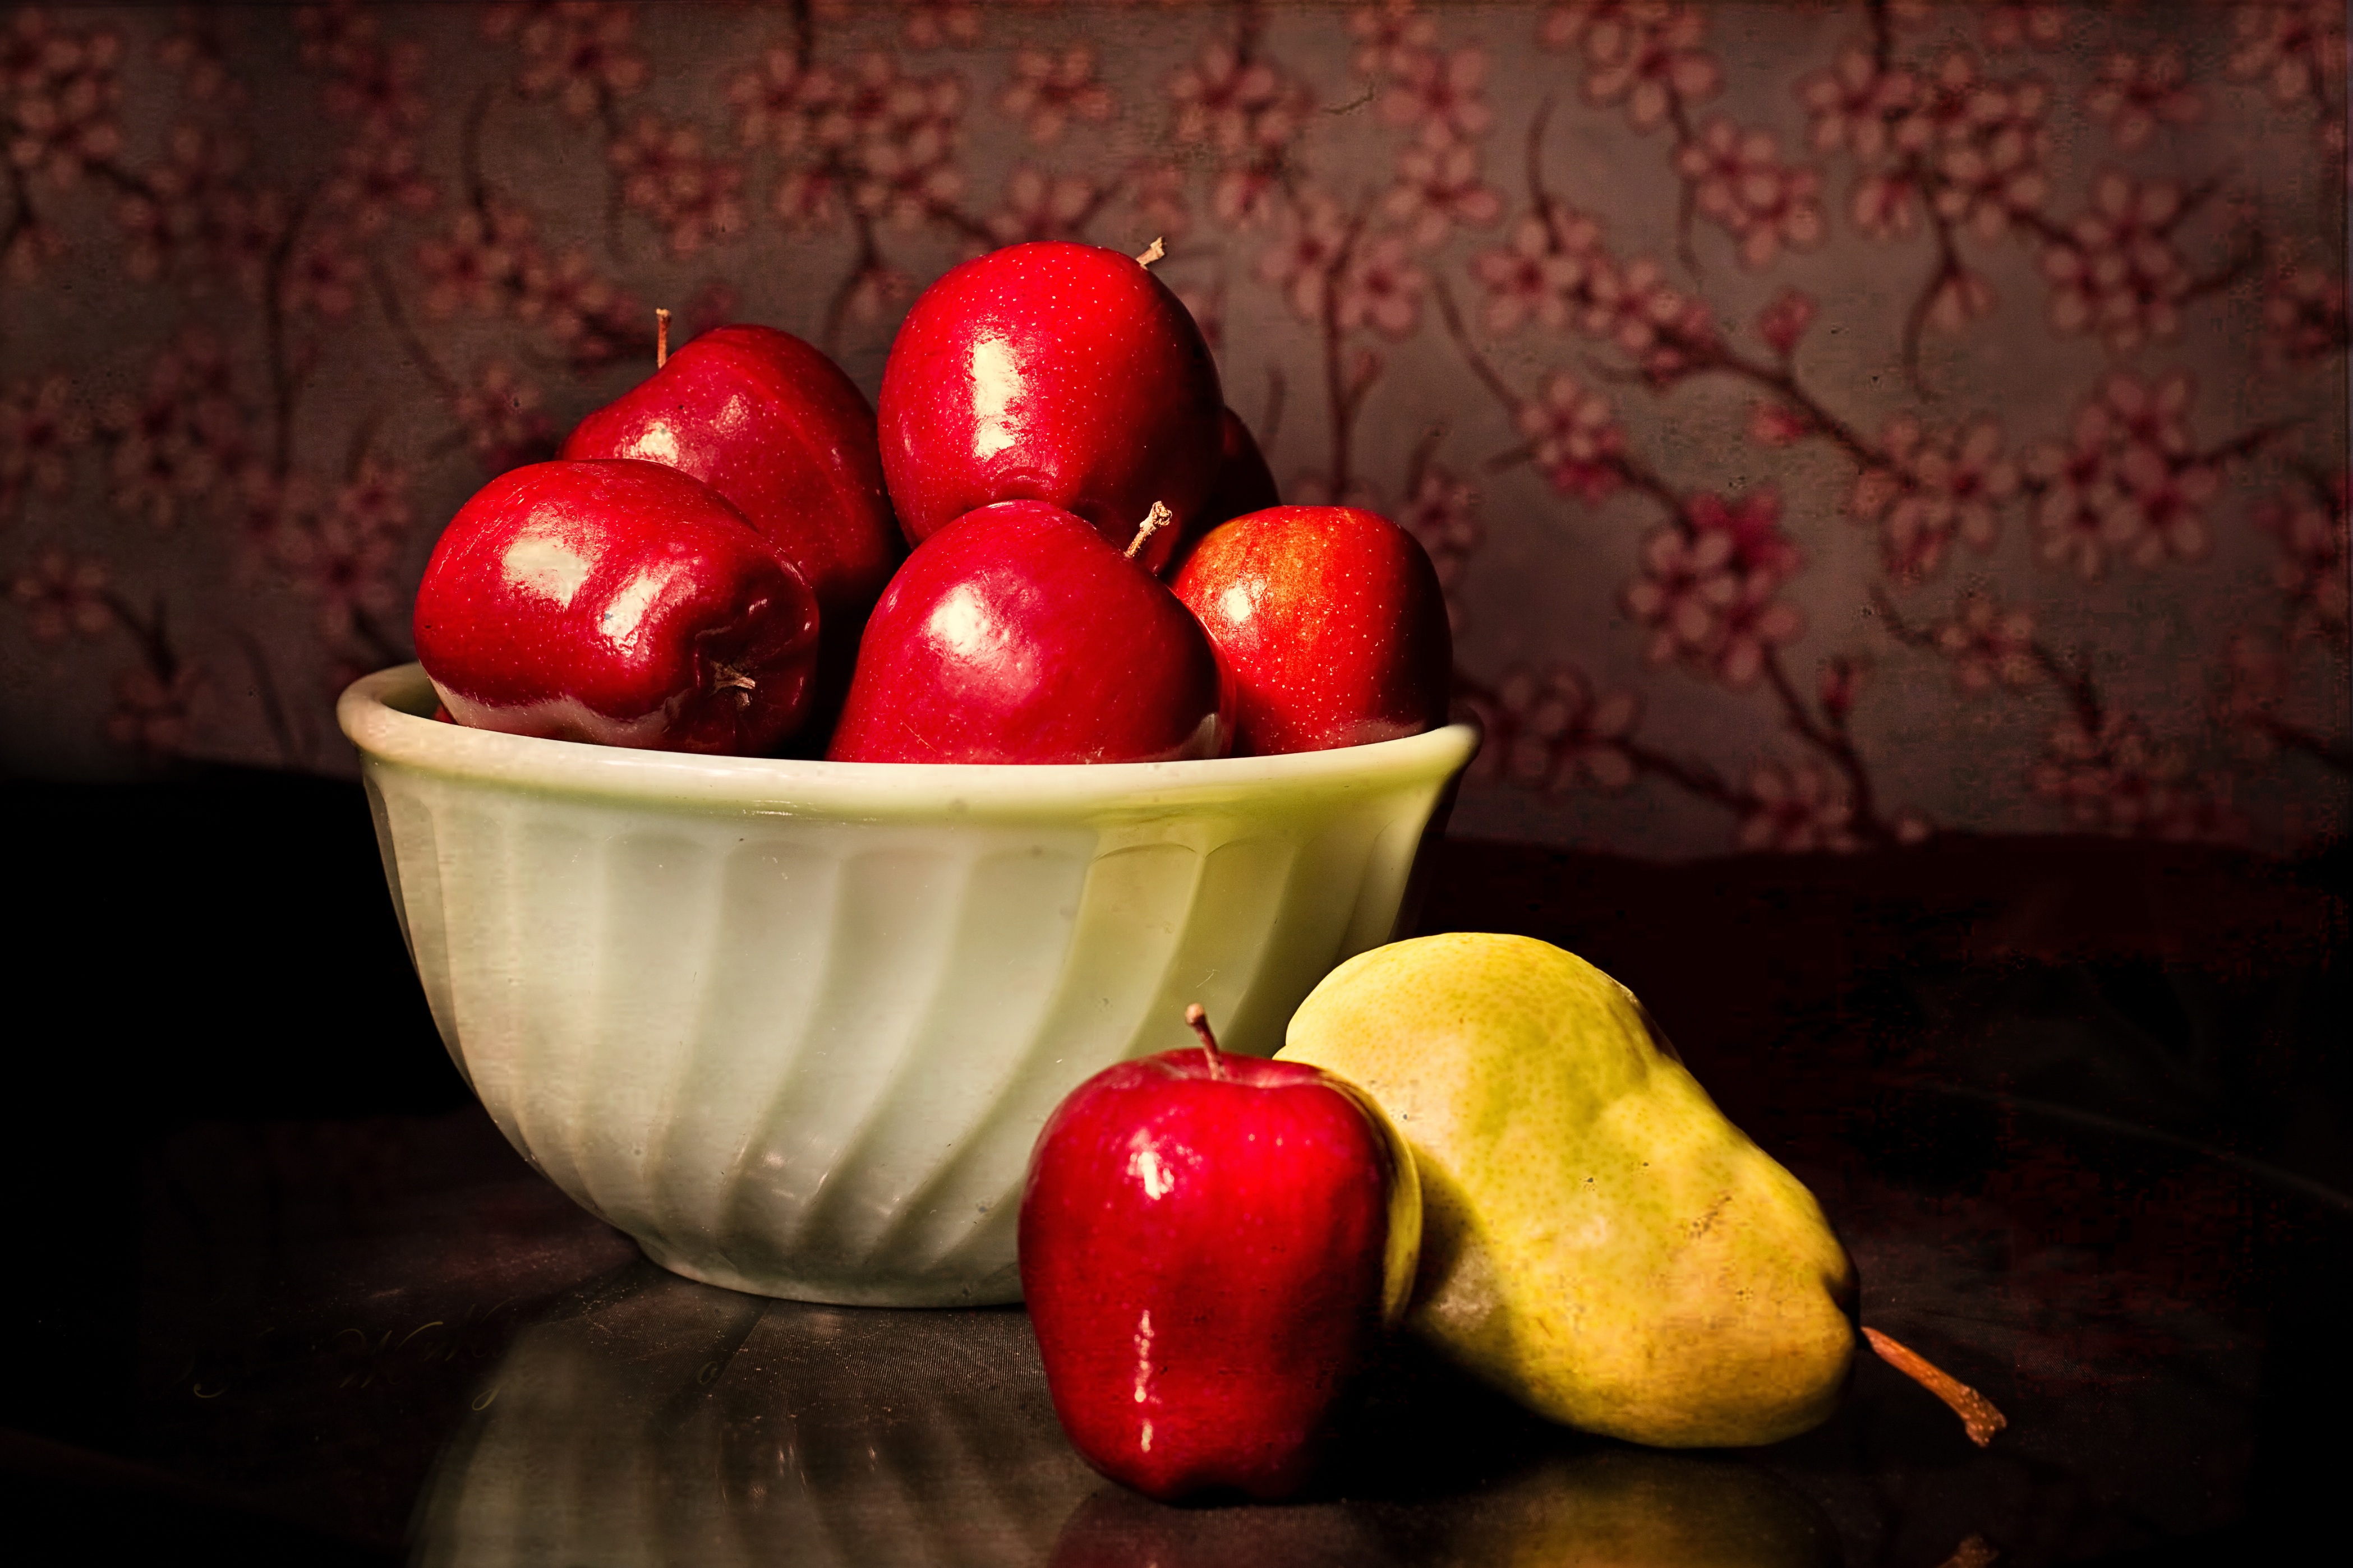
[[1245, 484], [1211, 1247], [1329, 622], [774, 426], [1050, 372], [619, 602], [1017, 634]]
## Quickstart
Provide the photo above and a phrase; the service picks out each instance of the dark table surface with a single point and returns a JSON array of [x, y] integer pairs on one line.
[[2078, 1108]]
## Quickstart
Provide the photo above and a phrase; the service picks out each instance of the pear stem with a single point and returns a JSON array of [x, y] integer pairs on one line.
[[1158, 517], [1152, 253], [1199, 1020], [1978, 1417], [662, 338]]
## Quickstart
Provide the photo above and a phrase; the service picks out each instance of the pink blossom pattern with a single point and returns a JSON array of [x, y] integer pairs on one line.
[[1380, 286], [2311, 573], [2294, 50], [1784, 322], [2034, 25], [1951, 145], [1644, 54], [474, 267], [1796, 808], [1042, 207], [1441, 98], [1989, 644], [1707, 587], [938, 24], [1247, 111], [1050, 90], [691, 196], [1574, 437], [2119, 275], [59, 94], [343, 559], [1540, 275], [1390, 35], [154, 710], [1932, 487], [1557, 731], [41, 428], [1315, 237], [322, 274], [375, 181], [582, 55], [2126, 483], [2136, 94], [174, 448], [2112, 776], [193, 212], [1156, 191], [1739, 182], [2304, 315], [1441, 511], [1437, 188], [63, 595], [503, 421]]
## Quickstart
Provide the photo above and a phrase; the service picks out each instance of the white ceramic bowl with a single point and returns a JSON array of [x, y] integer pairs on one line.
[[794, 1024]]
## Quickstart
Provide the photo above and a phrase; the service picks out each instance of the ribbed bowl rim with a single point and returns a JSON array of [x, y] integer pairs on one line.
[[387, 716]]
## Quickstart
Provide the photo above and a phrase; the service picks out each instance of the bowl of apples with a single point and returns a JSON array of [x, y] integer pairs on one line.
[[789, 807]]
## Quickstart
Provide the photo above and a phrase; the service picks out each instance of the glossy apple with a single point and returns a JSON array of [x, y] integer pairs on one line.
[[775, 427], [1019, 635], [1245, 484], [1211, 1247], [619, 602], [1050, 372], [1330, 623]]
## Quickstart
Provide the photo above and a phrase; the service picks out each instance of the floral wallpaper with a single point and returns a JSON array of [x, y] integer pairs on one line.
[[1835, 423]]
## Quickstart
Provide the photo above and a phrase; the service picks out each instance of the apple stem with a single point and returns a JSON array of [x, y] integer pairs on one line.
[[662, 338], [1152, 253], [734, 680], [1200, 1021], [1978, 1417], [1158, 517]]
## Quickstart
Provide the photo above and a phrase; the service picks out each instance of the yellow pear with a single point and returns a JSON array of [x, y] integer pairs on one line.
[[1598, 1241]]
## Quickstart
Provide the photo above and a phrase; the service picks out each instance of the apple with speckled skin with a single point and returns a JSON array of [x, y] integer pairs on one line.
[[619, 602], [1212, 1248], [1018, 634], [776, 428], [1053, 371], [1330, 624]]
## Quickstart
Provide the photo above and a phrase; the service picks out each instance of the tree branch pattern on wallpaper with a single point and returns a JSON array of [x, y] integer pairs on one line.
[[1832, 422]]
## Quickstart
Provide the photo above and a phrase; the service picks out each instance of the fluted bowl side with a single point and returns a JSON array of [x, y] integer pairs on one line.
[[794, 1024]]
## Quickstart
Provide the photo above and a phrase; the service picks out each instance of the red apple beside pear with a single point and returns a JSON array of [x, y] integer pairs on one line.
[[1212, 1248]]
